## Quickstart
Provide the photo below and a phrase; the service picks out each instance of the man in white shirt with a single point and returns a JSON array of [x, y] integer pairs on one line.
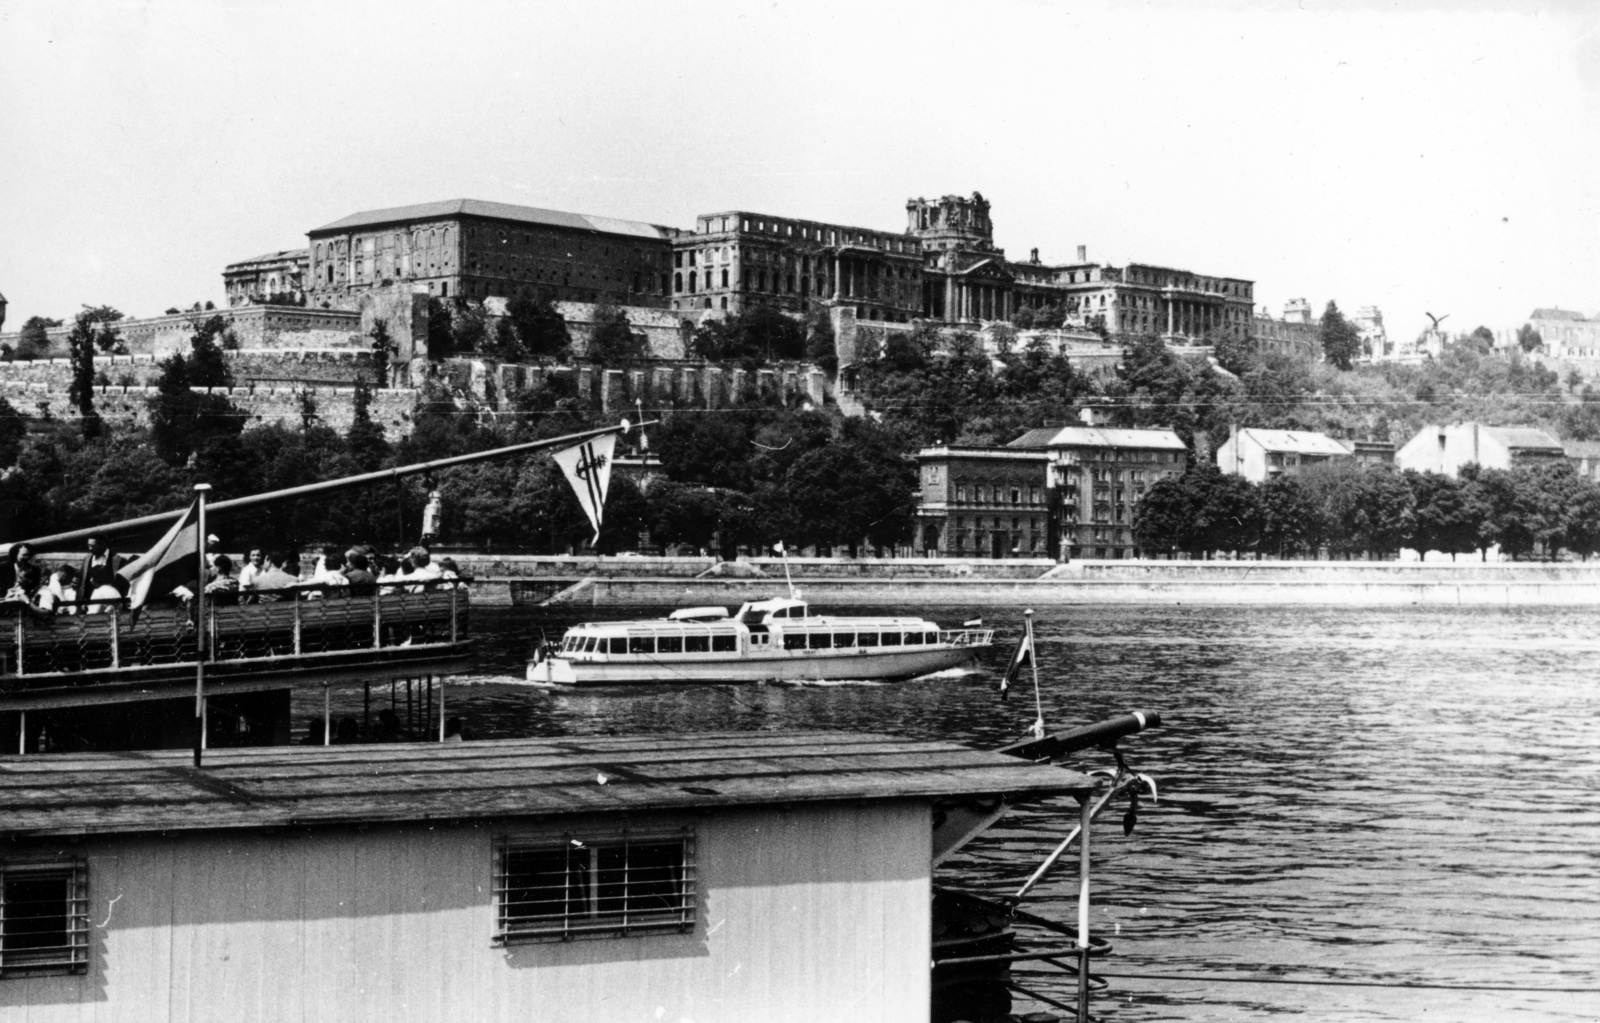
[[252, 569]]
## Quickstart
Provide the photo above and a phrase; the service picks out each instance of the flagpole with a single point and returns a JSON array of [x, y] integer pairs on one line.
[[201, 490], [1033, 662]]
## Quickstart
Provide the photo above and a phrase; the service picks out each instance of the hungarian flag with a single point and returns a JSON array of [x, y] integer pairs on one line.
[[173, 561], [1020, 658], [588, 469]]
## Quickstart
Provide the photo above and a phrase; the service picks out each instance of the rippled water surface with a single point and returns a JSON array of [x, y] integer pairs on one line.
[[1401, 794]]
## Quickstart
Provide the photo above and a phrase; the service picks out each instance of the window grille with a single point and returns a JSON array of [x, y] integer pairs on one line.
[[44, 917], [570, 887]]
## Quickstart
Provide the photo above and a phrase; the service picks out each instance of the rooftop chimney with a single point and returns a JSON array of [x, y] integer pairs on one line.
[[1083, 253]]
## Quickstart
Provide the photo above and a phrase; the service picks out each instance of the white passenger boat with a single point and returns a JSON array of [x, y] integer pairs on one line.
[[778, 639]]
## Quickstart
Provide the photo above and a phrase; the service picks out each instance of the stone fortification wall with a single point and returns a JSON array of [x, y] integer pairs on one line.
[[391, 408], [251, 366], [663, 330], [659, 384], [256, 326]]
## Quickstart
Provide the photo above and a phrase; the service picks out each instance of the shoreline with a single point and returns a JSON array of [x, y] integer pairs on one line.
[[683, 582]]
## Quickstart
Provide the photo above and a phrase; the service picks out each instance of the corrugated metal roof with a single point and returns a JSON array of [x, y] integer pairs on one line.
[[1299, 442], [1101, 437], [498, 211], [1522, 437], [282, 785]]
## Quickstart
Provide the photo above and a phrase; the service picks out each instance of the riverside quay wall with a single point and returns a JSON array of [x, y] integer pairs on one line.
[[682, 582]]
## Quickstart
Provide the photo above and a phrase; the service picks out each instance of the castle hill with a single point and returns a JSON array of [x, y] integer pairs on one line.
[[889, 394]]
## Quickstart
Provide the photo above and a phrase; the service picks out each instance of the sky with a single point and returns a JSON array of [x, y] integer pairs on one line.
[[1440, 159]]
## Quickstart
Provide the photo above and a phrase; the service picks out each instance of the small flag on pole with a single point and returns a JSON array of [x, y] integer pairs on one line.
[[1020, 658], [588, 469], [167, 565]]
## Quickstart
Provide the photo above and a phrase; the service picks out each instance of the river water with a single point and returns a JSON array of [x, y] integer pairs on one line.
[[1402, 795]]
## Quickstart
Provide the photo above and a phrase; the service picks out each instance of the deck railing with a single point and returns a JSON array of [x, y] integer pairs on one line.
[[967, 637], [96, 636]]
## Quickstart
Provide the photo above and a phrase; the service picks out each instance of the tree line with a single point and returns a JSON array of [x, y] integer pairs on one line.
[[1352, 510], [749, 475]]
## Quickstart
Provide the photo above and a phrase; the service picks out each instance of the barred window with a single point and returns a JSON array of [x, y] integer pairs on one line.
[[569, 887], [44, 917]]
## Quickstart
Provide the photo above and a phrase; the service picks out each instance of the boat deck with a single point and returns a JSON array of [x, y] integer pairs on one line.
[[106, 652]]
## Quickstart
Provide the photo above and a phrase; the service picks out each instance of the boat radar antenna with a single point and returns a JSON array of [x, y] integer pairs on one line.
[[794, 594]]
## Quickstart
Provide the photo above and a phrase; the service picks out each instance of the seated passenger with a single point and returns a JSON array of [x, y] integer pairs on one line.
[[24, 574], [63, 588], [361, 580], [223, 588], [423, 569], [278, 577]]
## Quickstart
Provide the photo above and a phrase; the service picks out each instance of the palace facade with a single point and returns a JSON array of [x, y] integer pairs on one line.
[[943, 267], [468, 248]]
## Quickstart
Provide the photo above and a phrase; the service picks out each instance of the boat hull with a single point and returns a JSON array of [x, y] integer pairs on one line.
[[800, 666]]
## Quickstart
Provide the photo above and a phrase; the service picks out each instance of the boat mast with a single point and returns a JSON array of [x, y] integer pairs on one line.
[[163, 519]]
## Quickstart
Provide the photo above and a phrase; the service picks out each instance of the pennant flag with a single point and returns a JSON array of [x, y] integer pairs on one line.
[[1020, 658], [588, 469], [172, 562], [779, 547]]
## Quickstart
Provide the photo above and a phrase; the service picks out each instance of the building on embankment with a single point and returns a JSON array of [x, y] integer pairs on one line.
[[1062, 492], [729, 877], [1445, 449]]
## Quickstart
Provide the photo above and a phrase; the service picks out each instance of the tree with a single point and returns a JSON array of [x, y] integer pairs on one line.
[[183, 420], [365, 439], [851, 493], [13, 428], [383, 347], [34, 339], [821, 346], [1289, 516], [469, 327], [612, 340], [1341, 341], [1528, 339], [440, 340], [540, 327], [81, 344], [760, 334], [1233, 351], [1447, 514]]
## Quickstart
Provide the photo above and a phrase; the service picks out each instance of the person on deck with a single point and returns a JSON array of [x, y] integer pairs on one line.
[[251, 570], [62, 588], [223, 588], [23, 574], [362, 582], [97, 576], [423, 570], [283, 572]]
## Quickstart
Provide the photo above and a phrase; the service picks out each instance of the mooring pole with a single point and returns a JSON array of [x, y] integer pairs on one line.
[[366, 710], [327, 717], [1083, 910], [441, 708], [201, 490]]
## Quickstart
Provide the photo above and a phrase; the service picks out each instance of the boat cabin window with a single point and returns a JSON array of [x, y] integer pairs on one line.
[[794, 641], [731, 643], [696, 644], [669, 645], [867, 639], [589, 645], [45, 926], [572, 886], [619, 644], [844, 639], [641, 644], [821, 640], [891, 639]]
